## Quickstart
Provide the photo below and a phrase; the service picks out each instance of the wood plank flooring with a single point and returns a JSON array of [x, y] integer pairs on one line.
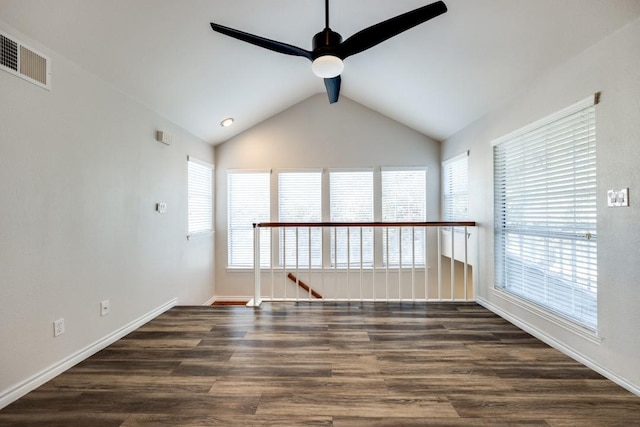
[[330, 364]]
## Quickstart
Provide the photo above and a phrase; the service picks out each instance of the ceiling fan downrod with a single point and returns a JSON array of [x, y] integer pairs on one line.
[[326, 13]]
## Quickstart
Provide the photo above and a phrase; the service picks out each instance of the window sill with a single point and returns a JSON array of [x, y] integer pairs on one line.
[[327, 269], [200, 234], [582, 331]]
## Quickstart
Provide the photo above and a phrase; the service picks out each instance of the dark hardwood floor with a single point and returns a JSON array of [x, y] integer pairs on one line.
[[331, 364]]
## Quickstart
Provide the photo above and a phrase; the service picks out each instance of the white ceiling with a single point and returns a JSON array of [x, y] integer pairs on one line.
[[435, 78]]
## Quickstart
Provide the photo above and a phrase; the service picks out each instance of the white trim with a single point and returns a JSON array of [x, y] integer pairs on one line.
[[456, 157], [403, 168], [318, 270], [298, 170], [231, 298], [14, 393], [448, 198], [247, 270], [201, 162], [210, 301], [252, 303], [578, 106], [542, 336], [549, 316], [264, 177], [232, 171], [362, 169], [211, 169], [200, 234], [547, 150]]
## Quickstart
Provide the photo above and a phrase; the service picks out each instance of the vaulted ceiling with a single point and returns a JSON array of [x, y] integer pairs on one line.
[[436, 78]]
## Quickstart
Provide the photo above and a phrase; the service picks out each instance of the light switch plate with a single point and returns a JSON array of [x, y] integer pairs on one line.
[[618, 198]]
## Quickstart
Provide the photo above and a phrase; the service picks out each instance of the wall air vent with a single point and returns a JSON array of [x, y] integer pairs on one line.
[[24, 62]]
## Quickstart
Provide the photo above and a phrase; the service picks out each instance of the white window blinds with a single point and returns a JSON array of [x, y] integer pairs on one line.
[[455, 188], [351, 200], [545, 214], [199, 197], [404, 198], [300, 200], [248, 203]]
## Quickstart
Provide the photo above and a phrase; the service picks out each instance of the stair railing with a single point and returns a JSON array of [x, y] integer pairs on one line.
[[371, 261]]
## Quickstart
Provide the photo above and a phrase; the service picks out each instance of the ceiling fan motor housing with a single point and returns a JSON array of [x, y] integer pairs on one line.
[[326, 43]]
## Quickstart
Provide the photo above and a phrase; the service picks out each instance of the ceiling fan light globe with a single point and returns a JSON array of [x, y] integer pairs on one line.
[[327, 66]]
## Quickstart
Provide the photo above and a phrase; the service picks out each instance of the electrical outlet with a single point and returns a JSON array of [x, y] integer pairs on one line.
[[161, 207], [104, 307], [58, 327]]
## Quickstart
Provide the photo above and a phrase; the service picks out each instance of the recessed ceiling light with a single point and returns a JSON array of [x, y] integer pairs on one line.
[[227, 122]]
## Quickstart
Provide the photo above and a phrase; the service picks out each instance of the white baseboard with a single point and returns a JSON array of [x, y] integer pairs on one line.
[[16, 392], [542, 336], [210, 301], [231, 299]]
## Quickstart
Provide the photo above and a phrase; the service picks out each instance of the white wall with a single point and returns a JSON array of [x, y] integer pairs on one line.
[[80, 173], [613, 67], [314, 134]]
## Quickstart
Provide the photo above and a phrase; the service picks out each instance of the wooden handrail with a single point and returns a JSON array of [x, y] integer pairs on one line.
[[365, 224], [303, 285]]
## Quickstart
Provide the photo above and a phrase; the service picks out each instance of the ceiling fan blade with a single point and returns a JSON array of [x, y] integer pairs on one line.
[[333, 88], [273, 45], [376, 34]]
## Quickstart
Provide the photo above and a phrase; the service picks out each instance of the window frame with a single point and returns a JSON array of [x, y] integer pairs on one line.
[[376, 235], [588, 206], [448, 197], [265, 236], [334, 260], [282, 235], [195, 195], [419, 242]]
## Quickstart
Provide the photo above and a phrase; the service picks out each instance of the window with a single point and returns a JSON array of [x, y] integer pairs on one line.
[[455, 189], [300, 200], [248, 203], [199, 197], [404, 198], [545, 214], [351, 200]]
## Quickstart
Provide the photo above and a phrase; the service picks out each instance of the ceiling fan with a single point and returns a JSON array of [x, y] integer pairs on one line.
[[328, 48]]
